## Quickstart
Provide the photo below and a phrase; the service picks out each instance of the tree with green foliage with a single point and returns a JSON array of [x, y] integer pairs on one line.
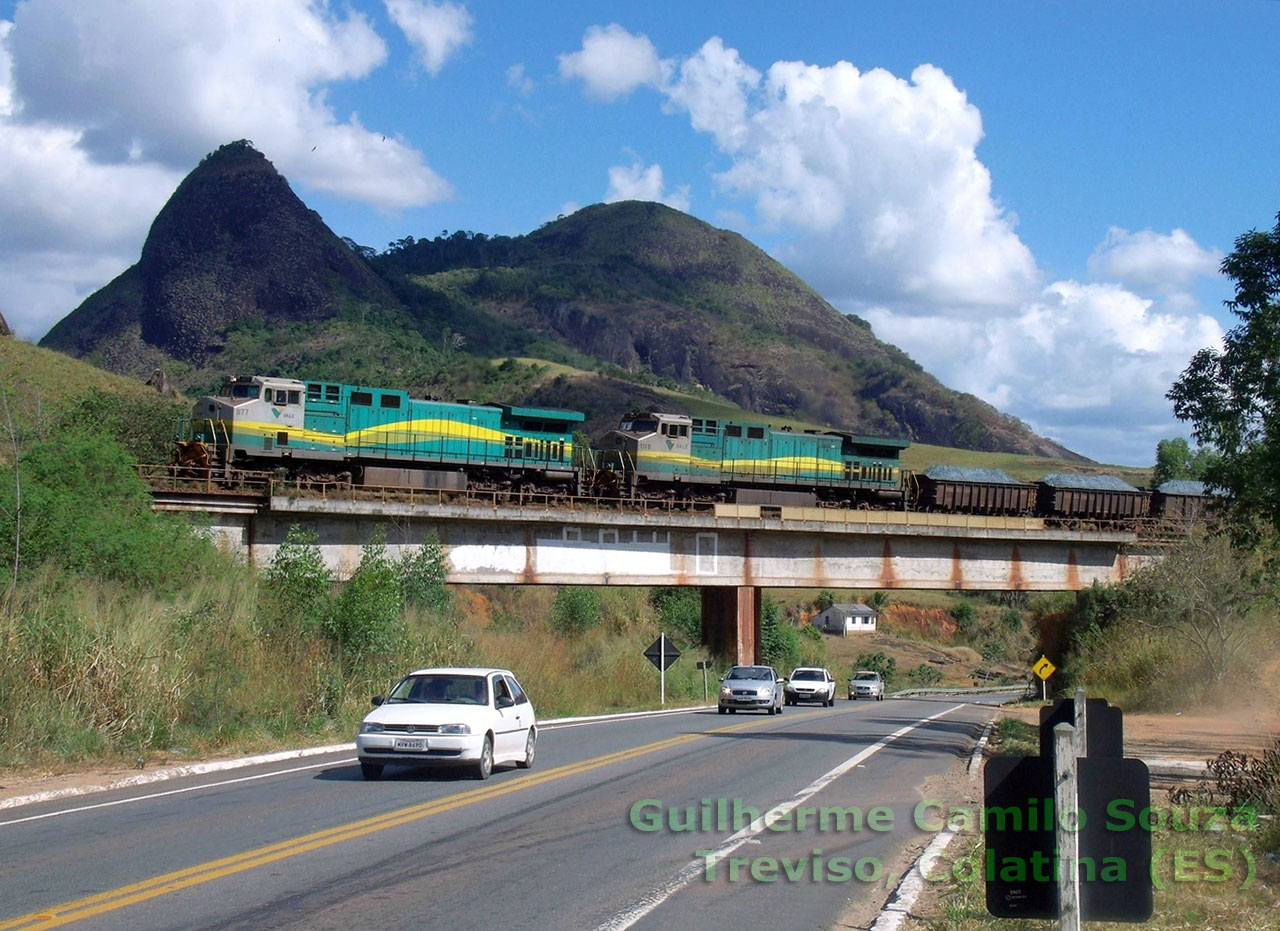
[[366, 615], [423, 573], [298, 586], [964, 617], [679, 613], [144, 425], [1176, 460], [86, 511], [1206, 594], [925, 676], [575, 610], [779, 639], [1232, 397]]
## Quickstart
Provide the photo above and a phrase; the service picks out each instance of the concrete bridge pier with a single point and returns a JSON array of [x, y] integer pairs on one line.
[[731, 622]]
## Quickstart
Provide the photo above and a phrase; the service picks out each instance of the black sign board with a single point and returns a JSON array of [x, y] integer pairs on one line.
[[1115, 852], [661, 649], [1020, 825]]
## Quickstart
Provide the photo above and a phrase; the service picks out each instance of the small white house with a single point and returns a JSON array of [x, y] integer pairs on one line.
[[847, 619]]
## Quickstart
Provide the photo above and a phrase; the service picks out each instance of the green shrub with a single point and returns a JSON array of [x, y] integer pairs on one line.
[[575, 610], [298, 587], [1011, 620], [366, 615], [423, 575], [85, 510], [964, 617], [680, 613], [779, 639], [924, 676]]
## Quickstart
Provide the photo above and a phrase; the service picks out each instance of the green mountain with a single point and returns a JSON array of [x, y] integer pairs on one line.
[[238, 275]]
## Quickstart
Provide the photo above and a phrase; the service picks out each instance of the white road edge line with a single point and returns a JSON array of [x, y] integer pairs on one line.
[[143, 798], [904, 897], [685, 876], [201, 769]]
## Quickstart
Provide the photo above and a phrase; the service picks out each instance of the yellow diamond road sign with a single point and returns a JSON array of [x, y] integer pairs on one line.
[[1043, 668]]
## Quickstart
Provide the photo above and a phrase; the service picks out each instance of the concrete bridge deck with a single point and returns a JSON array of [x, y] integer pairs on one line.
[[729, 551]]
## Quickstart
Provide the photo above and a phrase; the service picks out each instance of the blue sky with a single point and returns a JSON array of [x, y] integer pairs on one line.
[[1031, 199]]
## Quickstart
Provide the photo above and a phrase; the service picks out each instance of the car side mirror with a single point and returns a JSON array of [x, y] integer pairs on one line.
[[505, 701], [378, 700]]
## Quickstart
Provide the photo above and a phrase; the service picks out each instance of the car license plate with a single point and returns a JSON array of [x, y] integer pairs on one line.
[[410, 743]]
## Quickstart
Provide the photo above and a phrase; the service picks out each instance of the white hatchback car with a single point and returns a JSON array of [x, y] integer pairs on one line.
[[474, 718], [811, 683]]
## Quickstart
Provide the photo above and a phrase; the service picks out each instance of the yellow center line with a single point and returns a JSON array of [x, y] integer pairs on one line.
[[134, 893]]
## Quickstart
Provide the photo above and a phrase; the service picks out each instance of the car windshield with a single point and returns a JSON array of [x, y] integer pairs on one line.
[[748, 672], [865, 676], [441, 689], [806, 674]]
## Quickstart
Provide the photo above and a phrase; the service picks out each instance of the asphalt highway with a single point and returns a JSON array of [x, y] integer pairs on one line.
[[604, 832]]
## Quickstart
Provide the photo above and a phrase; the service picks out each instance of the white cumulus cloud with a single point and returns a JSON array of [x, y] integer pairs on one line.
[[638, 182], [1164, 262], [435, 30], [1085, 363], [613, 62], [875, 184]]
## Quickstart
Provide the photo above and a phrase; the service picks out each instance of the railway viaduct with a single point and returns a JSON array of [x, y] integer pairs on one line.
[[731, 552]]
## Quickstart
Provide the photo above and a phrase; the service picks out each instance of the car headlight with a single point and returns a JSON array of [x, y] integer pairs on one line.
[[454, 729], [371, 727]]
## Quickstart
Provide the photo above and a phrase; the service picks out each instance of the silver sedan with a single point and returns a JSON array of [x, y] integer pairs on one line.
[[751, 688]]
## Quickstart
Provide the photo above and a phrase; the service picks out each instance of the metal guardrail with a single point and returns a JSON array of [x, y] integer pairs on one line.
[[908, 693]]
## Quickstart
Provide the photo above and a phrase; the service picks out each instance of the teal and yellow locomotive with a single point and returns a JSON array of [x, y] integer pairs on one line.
[[379, 436], [657, 455]]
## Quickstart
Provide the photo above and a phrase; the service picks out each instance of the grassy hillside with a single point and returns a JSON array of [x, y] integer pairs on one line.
[[37, 384]]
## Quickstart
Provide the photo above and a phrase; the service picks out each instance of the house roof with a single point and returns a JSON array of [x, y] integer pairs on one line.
[[857, 608]]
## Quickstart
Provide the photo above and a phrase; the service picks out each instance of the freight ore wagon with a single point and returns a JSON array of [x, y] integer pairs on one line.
[[1091, 497], [378, 436], [658, 455], [960, 490], [1180, 501]]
